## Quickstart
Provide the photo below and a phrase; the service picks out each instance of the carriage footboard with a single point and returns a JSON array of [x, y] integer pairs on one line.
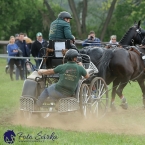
[[26, 104], [68, 104], [64, 104]]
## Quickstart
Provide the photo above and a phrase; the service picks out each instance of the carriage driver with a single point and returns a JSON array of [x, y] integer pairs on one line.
[[69, 76], [61, 29]]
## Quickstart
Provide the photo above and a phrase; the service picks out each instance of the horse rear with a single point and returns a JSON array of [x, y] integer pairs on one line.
[[121, 66], [126, 65]]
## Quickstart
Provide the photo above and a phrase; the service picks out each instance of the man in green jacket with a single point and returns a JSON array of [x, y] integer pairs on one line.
[[61, 29]]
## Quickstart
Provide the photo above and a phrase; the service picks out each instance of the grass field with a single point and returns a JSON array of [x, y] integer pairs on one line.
[[124, 127]]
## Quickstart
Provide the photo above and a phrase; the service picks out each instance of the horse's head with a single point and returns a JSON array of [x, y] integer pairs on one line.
[[133, 36]]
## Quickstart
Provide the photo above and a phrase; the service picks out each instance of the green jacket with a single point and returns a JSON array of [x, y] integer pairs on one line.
[[60, 29], [69, 76]]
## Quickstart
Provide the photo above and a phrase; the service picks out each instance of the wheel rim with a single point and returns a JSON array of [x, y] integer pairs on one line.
[[27, 115], [99, 97], [85, 100]]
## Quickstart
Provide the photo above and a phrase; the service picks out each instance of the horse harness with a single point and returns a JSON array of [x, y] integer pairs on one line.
[[134, 49], [140, 34]]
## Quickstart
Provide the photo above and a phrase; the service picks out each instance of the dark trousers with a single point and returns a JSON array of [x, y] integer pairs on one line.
[[11, 64], [23, 68]]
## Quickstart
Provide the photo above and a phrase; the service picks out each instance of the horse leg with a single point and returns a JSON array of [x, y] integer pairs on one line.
[[113, 94], [142, 86], [119, 91]]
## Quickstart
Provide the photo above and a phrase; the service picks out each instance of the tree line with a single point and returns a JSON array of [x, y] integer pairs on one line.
[[105, 17]]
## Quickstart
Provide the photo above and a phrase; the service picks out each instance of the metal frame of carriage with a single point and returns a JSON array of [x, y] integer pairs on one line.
[[91, 96]]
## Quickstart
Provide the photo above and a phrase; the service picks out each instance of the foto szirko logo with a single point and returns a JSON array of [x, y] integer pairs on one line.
[[9, 136]]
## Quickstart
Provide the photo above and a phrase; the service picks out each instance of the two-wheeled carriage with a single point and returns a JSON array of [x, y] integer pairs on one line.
[[91, 95]]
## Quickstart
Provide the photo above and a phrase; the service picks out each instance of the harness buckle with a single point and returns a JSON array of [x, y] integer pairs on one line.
[[139, 32]]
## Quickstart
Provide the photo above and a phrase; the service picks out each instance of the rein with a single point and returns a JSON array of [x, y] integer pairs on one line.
[[138, 76], [128, 81], [134, 49]]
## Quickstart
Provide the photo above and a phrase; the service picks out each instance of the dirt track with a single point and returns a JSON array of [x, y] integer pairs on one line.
[[122, 121]]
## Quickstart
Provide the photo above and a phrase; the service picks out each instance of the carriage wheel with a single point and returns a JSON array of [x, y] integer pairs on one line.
[[99, 97], [26, 115], [85, 100]]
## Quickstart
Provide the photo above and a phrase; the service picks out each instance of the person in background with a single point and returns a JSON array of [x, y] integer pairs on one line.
[[28, 41], [36, 46], [12, 49], [92, 40], [25, 52], [7, 66], [16, 37], [113, 40]]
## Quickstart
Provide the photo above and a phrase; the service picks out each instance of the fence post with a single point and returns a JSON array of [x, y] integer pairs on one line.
[[4, 49]]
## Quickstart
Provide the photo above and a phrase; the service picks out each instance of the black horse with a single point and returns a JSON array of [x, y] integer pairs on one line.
[[119, 66], [133, 36], [122, 66]]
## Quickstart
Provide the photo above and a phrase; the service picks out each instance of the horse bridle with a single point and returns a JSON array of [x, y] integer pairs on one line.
[[140, 34]]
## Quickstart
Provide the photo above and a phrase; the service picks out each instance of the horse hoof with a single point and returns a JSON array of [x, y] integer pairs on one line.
[[124, 106]]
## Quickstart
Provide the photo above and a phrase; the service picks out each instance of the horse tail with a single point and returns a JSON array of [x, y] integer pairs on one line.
[[103, 65]]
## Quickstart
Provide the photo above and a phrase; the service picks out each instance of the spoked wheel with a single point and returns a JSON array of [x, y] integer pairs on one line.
[[26, 115], [85, 100], [99, 97]]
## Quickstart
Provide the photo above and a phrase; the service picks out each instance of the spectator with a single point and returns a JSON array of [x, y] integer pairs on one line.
[[113, 40], [16, 37], [25, 52], [63, 30], [28, 41], [91, 40], [36, 46], [7, 66], [12, 49]]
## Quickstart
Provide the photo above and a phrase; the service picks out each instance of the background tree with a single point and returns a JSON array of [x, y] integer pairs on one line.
[[103, 16], [124, 16], [19, 16], [108, 18], [79, 16]]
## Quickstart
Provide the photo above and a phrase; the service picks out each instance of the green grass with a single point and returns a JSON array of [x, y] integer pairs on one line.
[[10, 92], [133, 94], [79, 138]]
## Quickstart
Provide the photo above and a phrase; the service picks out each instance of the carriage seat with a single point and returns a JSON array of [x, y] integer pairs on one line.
[[58, 48], [34, 75], [90, 71]]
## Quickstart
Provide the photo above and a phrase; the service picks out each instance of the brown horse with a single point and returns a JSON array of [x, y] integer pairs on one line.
[[122, 66], [119, 65]]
